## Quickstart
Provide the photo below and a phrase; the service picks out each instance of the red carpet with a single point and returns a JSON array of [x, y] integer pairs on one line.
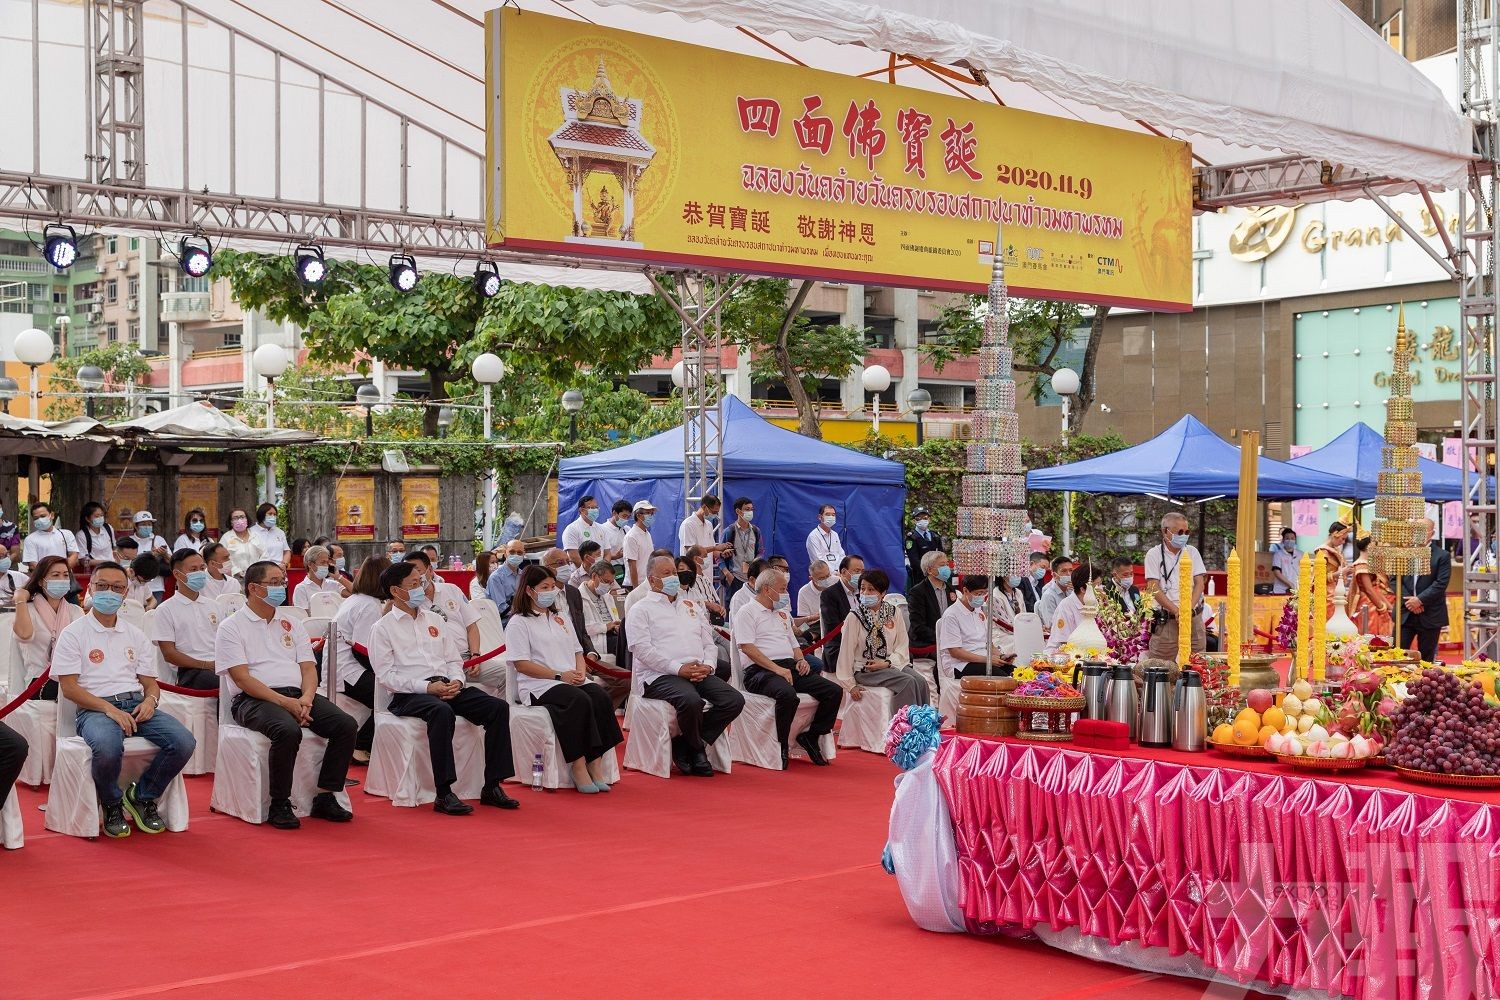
[[755, 884]]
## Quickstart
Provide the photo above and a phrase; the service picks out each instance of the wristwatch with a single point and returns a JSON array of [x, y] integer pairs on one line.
[[557, 677]]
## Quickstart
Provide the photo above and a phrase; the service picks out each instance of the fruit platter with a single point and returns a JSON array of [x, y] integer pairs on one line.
[[1447, 732], [1309, 730]]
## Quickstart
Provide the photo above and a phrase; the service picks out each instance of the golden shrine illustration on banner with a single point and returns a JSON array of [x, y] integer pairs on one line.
[[604, 143]]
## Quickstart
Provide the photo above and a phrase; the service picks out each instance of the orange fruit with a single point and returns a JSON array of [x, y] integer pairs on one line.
[[1266, 732], [1249, 715], [1223, 733], [1245, 732], [1273, 717]]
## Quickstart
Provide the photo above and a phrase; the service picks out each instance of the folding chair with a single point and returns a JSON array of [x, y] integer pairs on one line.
[[231, 602], [324, 604], [200, 716], [752, 737]]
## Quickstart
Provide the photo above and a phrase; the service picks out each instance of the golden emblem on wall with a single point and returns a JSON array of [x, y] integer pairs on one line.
[[1262, 232]]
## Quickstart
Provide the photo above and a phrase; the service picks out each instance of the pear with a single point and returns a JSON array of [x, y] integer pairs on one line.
[[1292, 706], [1302, 690]]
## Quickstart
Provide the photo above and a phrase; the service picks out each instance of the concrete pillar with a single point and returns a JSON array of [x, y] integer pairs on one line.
[[852, 393], [906, 343], [737, 380], [174, 365]]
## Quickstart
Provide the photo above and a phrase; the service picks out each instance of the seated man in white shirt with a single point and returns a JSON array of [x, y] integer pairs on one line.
[[216, 558], [596, 621], [47, 539], [777, 668], [644, 588], [746, 594], [447, 600], [674, 654], [1060, 586], [187, 623], [269, 657], [961, 635], [416, 659], [320, 578], [810, 597], [104, 666], [1069, 611]]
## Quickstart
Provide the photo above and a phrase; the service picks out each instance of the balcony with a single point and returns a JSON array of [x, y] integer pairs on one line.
[[186, 307]]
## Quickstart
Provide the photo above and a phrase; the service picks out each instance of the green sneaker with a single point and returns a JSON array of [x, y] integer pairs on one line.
[[147, 819], [114, 822]]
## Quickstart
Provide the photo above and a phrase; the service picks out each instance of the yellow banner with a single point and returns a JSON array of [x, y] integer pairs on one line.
[[196, 492], [354, 509], [419, 507], [609, 144], [127, 496]]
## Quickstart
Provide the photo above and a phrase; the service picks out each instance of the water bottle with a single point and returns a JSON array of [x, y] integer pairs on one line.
[[536, 773]]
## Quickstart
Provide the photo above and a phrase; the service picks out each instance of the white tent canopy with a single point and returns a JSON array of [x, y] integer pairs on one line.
[[202, 425]]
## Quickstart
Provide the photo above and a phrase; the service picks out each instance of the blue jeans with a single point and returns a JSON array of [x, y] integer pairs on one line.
[[107, 741]]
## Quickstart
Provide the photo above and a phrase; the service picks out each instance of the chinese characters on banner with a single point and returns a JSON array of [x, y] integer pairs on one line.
[[354, 509], [604, 143], [1304, 512], [419, 507], [1453, 513], [196, 492]]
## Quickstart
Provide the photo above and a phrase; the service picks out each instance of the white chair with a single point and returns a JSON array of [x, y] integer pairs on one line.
[[400, 766], [34, 721], [948, 691], [72, 801], [531, 733], [486, 607], [1028, 636], [200, 716], [12, 837], [231, 602], [242, 771], [293, 612], [317, 627], [866, 720], [324, 604], [491, 675], [752, 737]]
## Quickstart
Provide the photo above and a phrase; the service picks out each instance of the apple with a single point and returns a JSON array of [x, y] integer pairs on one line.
[[1260, 699]]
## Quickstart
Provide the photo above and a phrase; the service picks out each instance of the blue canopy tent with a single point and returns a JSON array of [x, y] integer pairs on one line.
[[1355, 454], [787, 475], [1186, 460]]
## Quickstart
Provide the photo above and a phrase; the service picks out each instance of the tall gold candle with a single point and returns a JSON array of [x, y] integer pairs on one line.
[[1304, 634], [1184, 609], [1319, 649], [1232, 624]]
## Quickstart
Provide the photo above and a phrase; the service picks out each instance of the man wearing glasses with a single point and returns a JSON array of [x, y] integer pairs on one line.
[[269, 657], [107, 667]]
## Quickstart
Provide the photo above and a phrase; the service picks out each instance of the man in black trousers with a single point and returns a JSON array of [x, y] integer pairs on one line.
[[1424, 612], [835, 602], [12, 758]]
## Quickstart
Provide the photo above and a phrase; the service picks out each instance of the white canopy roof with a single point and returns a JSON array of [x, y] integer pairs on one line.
[[201, 424]]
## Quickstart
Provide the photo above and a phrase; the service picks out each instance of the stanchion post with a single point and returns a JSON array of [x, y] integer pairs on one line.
[[330, 660]]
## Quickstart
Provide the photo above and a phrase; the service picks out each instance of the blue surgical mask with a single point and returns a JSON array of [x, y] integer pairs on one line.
[[42, 523], [591, 514], [107, 602], [648, 520], [854, 580], [270, 521], [868, 600], [1064, 580], [712, 518], [197, 580], [4, 564], [670, 586], [143, 530], [417, 598], [514, 560], [1014, 581], [783, 602], [922, 524], [321, 572], [945, 573], [1040, 573], [195, 525], [276, 596], [57, 589], [339, 562], [96, 522], [1178, 541], [829, 520], [396, 557], [546, 598]]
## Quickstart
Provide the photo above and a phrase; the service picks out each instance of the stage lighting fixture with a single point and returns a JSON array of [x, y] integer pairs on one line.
[[403, 272], [486, 280], [196, 255], [60, 246], [311, 267]]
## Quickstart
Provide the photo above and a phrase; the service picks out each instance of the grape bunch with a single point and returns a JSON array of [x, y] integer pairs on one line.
[[1446, 726]]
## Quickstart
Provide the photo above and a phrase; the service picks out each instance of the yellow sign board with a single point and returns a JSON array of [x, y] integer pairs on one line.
[[419, 507], [604, 143], [354, 509], [198, 493]]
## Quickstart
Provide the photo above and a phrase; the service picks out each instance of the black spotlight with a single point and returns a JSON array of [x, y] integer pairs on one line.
[[486, 280], [60, 245], [311, 267], [196, 255], [403, 272]]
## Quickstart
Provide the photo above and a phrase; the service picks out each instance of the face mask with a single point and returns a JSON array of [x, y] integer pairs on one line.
[[546, 598], [4, 564], [1014, 581], [712, 518], [321, 572], [1040, 573], [621, 521], [671, 586], [417, 598], [143, 531], [107, 602], [396, 557], [195, 525], [339, 562], [922, 524], [782, 603], [945, 573], [868, 600], [748, 515], [197, 579], [276, 596], [829, 520], [1289, 546], [96, 522], [57, 588], [513, 561], [687, 577], [1065, 580], [270, 521], [974, 601], [591, 514], [824, 583], [43, 523], [854, 580], [217, 568], [1178, 541], [648, 520], [238, 524]]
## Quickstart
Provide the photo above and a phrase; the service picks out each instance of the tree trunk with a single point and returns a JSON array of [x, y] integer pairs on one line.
[[437, 383], [1087, 387], [807, 408]]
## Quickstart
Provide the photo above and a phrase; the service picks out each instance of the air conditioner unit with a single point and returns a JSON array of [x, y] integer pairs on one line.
[[95, 315], [132, 304], [121, 265]]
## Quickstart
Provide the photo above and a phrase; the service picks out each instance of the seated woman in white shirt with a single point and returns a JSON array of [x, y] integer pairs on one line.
[[271, 539], [482, 564], [42, 612], [320, 578], [551, 672], [219, 580], [353, 623], [876, 651], [244, 548], [11, 579], [193, 536], [1006, 602], [96, 538]]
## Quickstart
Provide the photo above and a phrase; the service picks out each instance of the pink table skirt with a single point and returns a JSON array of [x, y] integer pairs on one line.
[[1321, 885]]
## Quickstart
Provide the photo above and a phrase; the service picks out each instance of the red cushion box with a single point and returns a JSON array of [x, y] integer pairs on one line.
[[1097, 734]]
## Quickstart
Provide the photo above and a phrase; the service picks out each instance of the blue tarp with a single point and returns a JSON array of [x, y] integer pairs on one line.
[[1186, 460], [1355, 454], [787, 475]]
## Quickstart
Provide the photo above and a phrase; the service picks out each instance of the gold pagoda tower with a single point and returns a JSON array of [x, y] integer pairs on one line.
[[1400, 546]]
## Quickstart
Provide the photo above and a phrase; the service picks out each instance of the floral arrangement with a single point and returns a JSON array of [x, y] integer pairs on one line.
[[1126, 632], [1221, 700], [1075, 654], [913, 732], [1345, 656], [1023, 674], [1286, 628]]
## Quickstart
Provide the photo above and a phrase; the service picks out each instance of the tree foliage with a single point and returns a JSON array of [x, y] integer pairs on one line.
[[123, 365]]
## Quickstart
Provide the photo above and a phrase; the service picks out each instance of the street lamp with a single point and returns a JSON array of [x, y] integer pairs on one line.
[[876, 379], [488, 369], [33, 349], [90, 380], [919, 402], [9, 389], [679, 374], [368, 397], [1065, 384], [445, 419], [572, 402], [269, 362]]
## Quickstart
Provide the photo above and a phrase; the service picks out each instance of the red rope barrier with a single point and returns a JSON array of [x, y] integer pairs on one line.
[[484, 657], [600, 667], [190, 692], [317, 642], [25, 696], [923, 650], [820, 643]]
